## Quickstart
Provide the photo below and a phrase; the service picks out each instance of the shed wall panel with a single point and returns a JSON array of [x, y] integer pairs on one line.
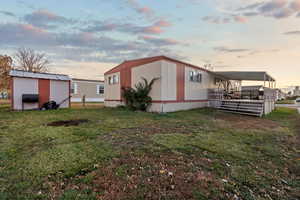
[[59, 91], [44, 91], [24, 86]]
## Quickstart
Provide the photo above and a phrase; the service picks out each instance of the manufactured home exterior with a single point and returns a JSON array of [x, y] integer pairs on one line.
[[46, 87], [92, 90], [180, 86]]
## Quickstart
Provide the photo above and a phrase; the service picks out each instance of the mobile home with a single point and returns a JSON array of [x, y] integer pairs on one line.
[[183, 86]]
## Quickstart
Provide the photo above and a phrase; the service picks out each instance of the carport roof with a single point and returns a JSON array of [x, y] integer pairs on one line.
[[246, 75]]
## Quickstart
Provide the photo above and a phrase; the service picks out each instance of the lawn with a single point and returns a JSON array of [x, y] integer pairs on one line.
[[120, 154], [286, 101]]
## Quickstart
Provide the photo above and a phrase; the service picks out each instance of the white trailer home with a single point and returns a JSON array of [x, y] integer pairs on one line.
[[181, 86], [91, 90], [30, 90]]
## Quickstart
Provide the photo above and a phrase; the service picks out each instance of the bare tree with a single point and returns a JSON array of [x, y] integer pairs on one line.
[[5, 67], [28, 60]]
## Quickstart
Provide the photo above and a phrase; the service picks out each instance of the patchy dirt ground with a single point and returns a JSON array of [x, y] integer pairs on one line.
[[247, 122], [166, 176], [67, 123]]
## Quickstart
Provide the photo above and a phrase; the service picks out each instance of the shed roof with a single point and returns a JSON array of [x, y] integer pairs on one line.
[[143, 61], [246, 75], [25, 74]]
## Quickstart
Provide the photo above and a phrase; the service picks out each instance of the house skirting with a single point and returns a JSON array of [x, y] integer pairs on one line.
[[76, 100], [166, 106]]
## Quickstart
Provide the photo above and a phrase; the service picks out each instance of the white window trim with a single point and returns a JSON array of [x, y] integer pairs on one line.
[[98, 89], [193, 76], [75, 88], [114, 79]]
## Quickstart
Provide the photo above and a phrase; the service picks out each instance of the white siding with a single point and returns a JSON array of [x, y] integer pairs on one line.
[[168, 81], [59, 91], [196, 90], [149, 71], [112, 91], [24, 86]]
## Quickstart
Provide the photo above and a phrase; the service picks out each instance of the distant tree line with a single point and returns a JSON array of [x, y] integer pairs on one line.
[[25, 59]]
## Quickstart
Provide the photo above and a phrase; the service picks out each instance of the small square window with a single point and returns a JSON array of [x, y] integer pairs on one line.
[[100, 89], [74, 88], [195, 76]]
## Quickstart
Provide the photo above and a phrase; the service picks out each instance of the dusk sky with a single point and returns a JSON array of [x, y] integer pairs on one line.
[[84, 38]]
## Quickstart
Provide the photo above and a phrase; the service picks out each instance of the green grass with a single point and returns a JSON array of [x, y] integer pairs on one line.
[[287, 101], [121, 154]]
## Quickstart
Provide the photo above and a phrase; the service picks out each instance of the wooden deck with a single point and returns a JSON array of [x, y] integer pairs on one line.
[[242, 106]]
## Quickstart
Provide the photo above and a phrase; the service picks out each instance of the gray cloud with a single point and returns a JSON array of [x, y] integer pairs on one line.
[[230, 50], [272, 8], [81, 46], [46, 19], [101, 26], [159, 41], [7, 13], [292, 33]]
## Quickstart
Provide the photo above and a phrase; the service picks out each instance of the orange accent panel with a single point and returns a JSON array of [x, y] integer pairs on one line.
[[125, 79], [44, 91], [180, 82]]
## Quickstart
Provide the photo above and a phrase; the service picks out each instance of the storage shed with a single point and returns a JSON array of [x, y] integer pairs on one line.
[[30, 90]]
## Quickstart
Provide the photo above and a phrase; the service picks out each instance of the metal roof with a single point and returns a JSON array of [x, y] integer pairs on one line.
[[86, 80], [25, 74], [246, 75], [142, 61]]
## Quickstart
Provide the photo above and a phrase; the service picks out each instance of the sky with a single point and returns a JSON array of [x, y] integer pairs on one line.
[[85, 38]]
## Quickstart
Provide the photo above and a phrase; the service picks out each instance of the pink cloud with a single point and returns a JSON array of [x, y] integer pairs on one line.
[[295, 5], [145, 10], [163, 23], [153, 30], [240, 19]]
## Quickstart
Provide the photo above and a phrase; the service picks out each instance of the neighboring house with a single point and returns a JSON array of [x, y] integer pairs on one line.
[[296, 91], [93, 90], [30, 90], [181, 86]]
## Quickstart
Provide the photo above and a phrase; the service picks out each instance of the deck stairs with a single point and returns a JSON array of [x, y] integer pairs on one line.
[[253, 108]]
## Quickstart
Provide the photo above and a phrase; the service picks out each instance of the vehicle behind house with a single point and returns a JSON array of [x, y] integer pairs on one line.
[[297, 101]]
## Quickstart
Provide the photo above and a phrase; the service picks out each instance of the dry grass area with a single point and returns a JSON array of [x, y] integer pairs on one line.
[[120, 154]]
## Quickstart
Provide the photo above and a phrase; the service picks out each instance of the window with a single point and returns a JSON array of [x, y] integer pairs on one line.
[[100, 89], [113, 79], [195, 76], [110, 80], [74, 88]]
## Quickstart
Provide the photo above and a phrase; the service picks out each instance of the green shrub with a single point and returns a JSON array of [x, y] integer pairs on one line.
[[138, 98]]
